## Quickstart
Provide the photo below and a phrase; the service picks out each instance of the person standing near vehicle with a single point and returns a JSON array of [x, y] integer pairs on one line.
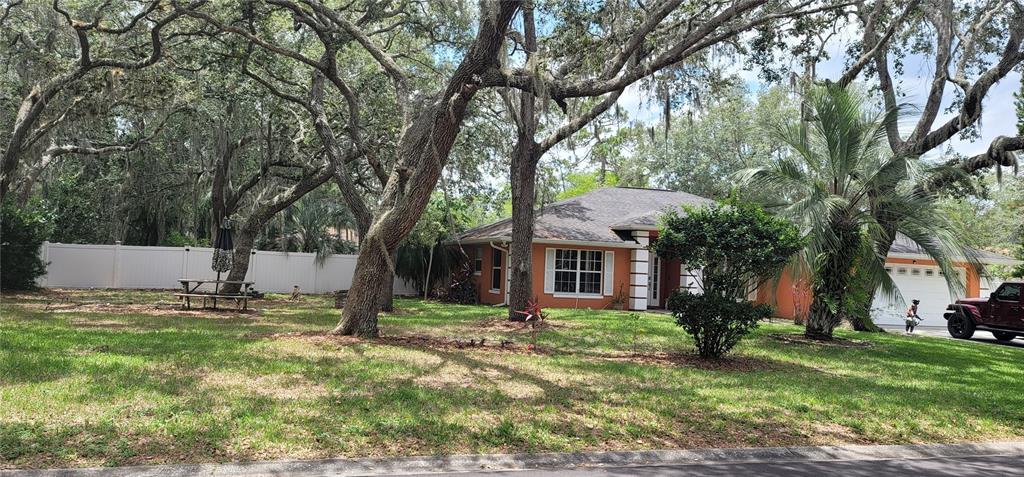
[[912, 319]]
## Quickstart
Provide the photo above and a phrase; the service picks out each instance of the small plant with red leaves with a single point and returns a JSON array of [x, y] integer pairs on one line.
[[534, 316], [533, 312]]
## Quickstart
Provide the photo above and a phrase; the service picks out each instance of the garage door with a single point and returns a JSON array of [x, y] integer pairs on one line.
[[915, 282]]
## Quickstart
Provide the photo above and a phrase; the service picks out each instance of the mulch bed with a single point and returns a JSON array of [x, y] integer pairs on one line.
[[411, 341], [835, 342], [482, 344], [502, 324], [685, 360]]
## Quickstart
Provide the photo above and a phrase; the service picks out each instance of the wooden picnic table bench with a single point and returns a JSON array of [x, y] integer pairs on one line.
[[190, 289]]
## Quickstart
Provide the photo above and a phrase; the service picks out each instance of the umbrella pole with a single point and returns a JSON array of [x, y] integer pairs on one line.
[[216, 291]]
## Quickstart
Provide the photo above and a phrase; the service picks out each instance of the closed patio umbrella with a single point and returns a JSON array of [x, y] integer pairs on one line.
[[223, 251]]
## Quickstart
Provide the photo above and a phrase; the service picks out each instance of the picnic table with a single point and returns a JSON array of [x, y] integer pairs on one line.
[[190, 290]]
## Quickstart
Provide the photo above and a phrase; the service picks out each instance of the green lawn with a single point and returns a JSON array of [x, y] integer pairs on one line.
[[111, 379]]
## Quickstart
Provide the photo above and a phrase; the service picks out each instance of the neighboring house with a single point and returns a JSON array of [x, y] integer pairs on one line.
[[347, 233], [590, 249]]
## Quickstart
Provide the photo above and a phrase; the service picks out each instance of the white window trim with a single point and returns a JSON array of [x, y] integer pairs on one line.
[[479, 259], [490, 277], [579, 273]]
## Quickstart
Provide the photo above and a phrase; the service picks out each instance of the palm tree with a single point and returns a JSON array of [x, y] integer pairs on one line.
[[310, 225], [838, 180]]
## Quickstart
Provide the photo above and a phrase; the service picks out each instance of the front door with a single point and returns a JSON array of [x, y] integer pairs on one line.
[[1006, 305], [654, 282]]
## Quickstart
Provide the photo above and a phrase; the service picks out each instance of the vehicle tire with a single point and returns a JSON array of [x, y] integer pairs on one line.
[[1004, 335], [960, 326]]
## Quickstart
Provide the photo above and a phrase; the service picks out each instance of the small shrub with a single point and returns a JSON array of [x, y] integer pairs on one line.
[[21, 234], [715, 323], [736, 247]]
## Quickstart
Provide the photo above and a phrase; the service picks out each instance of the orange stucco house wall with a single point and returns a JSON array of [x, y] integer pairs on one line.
[[490, 296], [792, 299], [669, 272]]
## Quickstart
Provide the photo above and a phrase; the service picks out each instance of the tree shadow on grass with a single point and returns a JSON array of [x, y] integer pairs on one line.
[[386, 400], [570, 411]]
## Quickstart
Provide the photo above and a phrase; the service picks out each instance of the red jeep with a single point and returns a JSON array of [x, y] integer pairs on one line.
[[1002, 313]]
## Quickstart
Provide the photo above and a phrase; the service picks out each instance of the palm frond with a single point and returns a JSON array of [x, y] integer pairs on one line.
[[843, 179]]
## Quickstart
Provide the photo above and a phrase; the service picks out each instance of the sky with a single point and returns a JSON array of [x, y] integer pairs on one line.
[[998, 113]]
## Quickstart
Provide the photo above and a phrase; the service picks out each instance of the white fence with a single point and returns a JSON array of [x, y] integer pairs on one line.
[[124, 266]]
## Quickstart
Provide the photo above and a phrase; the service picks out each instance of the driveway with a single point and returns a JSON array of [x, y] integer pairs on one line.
[[940, 331]]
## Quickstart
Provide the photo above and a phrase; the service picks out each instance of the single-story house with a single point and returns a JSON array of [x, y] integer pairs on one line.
[[591, 250]]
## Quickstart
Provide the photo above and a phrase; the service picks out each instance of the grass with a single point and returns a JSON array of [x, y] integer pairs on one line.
[[118, 381]]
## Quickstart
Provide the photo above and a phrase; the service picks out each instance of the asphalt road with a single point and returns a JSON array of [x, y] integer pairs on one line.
[[961, 466]]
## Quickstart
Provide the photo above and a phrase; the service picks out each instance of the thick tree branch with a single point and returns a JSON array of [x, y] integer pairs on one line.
[[339, 159], [40, 96], [715, 30], [871, 38], [969, 41], [55, 151], [940, 16], [7, 10], [1003, 152], [573, 125], [970, 110], [252, 38], [393, 70], [637, 38]]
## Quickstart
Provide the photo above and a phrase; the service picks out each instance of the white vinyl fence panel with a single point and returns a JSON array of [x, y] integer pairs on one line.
[[122, 266]]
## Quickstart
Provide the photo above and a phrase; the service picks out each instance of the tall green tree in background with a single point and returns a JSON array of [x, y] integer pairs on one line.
[[1018, 253], [837, 179], [731, 132], [65, 63], [989, 214]]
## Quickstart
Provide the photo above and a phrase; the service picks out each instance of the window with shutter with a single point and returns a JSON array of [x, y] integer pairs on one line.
[[578, 272]]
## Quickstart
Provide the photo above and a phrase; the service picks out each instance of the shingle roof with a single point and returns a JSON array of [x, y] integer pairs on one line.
[[903, 245], [596, 215]]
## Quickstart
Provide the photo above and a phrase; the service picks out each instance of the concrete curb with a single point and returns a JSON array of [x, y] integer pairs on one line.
[[471, 463]]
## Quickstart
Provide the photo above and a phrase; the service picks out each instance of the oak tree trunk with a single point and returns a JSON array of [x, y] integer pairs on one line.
[[243, 241], [423, 150], [523, 174], [359, 317], [520, 257], [387, 292], [258, 219]]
